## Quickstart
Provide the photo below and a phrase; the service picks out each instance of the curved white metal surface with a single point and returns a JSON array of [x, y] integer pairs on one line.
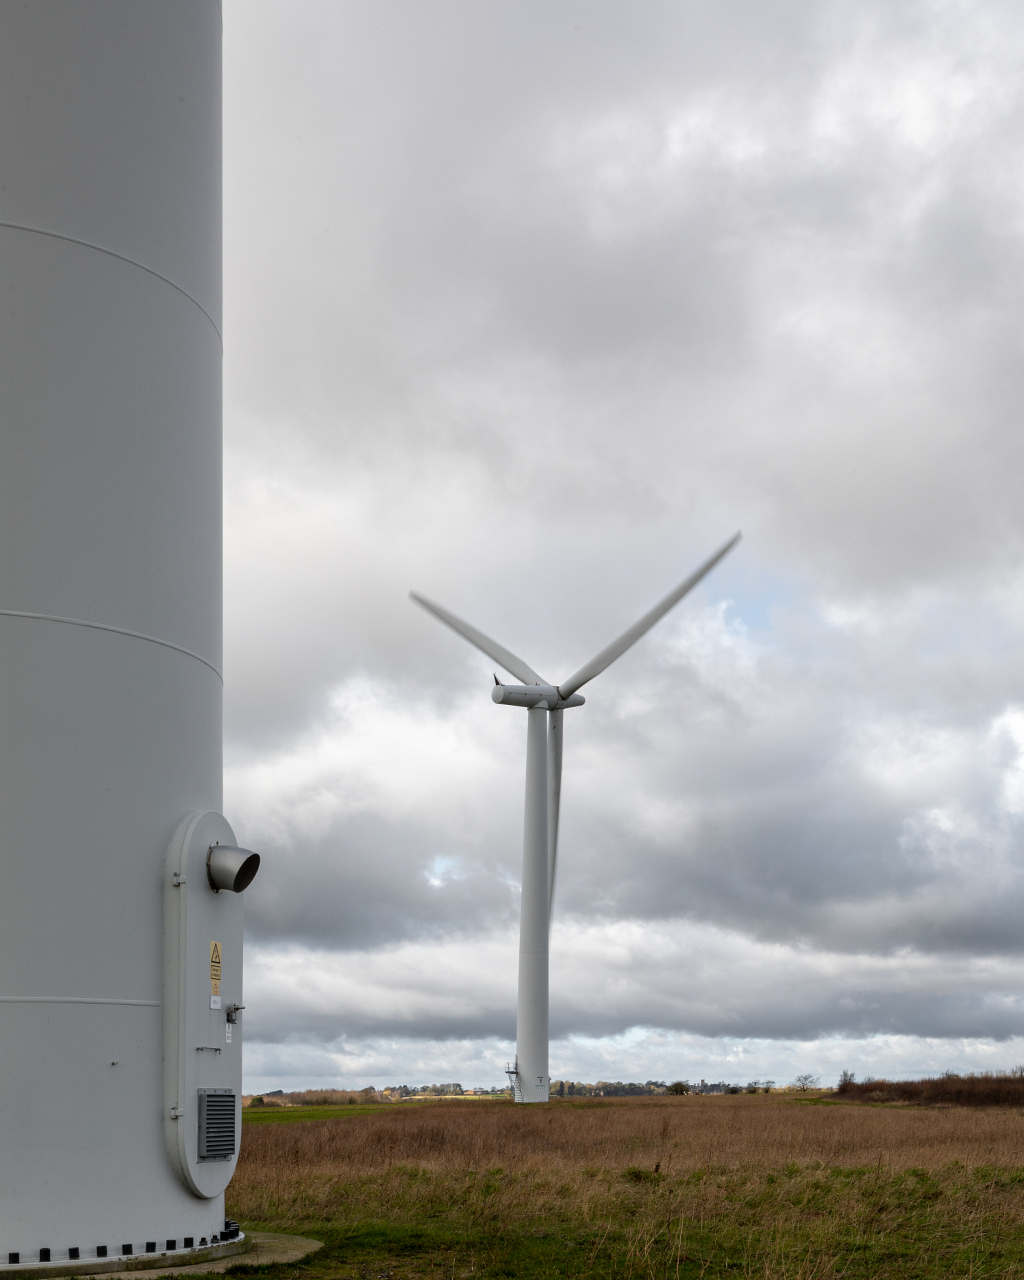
[[110, 492]]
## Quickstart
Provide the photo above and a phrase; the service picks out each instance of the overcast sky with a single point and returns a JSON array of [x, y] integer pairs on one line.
[[529, 307]]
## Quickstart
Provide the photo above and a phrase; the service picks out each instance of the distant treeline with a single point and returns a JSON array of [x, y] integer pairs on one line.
[[352, 1097], [605, 1089], [986, 1089], [313, 1098], [394, 1093]]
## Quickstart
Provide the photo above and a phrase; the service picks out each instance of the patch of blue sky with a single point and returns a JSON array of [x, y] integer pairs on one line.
[[443, 868], [755, 595]]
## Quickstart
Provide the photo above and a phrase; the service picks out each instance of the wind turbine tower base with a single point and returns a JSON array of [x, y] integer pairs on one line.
[[110, 633]]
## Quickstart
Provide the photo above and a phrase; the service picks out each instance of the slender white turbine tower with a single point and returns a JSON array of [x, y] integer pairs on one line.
[[546, 702]]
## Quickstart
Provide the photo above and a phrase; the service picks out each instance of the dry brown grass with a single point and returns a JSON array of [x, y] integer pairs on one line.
[[684, 1133], [570, 1157], [650, 1189]]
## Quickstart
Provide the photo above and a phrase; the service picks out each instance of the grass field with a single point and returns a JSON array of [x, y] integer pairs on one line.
[[773, 1187], [303, 1115]]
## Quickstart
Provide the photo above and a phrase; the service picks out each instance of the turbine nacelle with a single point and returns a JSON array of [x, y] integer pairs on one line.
[[534, 695]]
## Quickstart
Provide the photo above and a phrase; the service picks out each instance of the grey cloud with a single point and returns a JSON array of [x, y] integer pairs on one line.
[[606, 980], [369, 881], [528, 309], [774, 811]]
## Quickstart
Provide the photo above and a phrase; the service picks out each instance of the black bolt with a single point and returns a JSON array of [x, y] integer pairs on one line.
[[44, 1255], [172, 1244], [101, 1251], [73, 1252]]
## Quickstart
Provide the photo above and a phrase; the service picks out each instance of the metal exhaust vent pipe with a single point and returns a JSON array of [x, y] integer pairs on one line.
[[231, 868]]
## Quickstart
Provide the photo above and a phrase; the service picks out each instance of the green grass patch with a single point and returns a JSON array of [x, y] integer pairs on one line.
[[791, 1223], [290, 1115]]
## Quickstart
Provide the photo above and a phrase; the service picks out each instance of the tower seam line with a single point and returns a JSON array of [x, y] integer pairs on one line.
[[119, 631], [86, 244], [74, 1000]]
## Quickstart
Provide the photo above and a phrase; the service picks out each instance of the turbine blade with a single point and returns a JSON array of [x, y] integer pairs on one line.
[[554, 796], [628, 638], [498, 652]]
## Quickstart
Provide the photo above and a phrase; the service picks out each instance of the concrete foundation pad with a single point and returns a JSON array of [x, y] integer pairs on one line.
[[265, 1247], [262, 1247]]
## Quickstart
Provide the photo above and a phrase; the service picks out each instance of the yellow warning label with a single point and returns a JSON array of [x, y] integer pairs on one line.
[[215, 968]]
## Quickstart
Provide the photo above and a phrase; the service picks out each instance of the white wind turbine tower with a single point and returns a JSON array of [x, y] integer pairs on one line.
[[546, 702]]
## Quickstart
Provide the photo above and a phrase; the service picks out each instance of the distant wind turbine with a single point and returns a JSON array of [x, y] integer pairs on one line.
[[546, 702]]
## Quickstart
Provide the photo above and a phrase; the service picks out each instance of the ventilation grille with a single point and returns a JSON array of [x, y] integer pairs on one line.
[[216, 1124]]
